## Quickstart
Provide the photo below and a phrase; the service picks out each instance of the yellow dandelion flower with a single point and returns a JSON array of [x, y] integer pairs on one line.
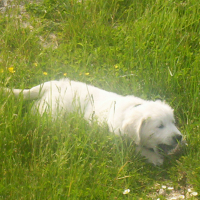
[[1, 70], [35, 64], [45, 73], [11, 70], [65, 74], [116, 66], [87, 73]]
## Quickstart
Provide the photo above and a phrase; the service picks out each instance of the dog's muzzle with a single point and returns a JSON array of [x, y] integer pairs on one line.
[[167, 149]]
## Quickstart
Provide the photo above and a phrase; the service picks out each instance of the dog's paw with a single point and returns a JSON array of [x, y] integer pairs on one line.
[[157, 160], [151, 156]]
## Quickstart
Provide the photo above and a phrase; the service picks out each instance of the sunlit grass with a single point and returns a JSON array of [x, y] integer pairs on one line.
[[146, 48]]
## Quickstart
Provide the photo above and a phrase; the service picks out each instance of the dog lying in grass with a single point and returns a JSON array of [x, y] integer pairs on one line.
[[149, 123]]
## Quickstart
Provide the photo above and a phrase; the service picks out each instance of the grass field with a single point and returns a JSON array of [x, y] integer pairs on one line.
[[149, 48]]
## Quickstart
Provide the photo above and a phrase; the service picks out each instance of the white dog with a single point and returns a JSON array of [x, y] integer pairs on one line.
[[149, 123]]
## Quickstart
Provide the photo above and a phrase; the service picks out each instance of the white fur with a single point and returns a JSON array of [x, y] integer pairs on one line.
[[148, 123]]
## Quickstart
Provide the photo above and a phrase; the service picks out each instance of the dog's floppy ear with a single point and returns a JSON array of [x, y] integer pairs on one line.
[[132, 128]]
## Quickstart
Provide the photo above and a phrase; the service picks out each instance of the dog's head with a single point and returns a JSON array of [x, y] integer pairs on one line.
[[152, 125]]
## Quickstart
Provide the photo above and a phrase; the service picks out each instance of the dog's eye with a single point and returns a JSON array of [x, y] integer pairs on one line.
[[161, 126]]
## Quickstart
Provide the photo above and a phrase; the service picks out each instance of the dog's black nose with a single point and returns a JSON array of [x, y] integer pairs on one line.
[[177, 138]]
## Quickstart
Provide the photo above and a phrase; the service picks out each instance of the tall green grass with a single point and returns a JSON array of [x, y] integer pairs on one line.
[[146, 48]]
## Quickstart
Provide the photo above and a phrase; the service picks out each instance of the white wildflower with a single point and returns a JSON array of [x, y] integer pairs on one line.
[[161, 191], [126, 191], [189, 190], [194, 194]]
